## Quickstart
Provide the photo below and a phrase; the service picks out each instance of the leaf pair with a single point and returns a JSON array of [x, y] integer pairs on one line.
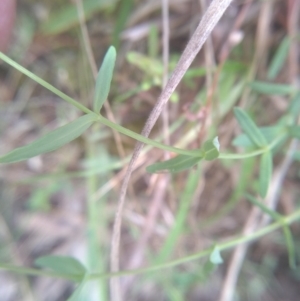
[[74, 129], [259, 140], [209, 151]]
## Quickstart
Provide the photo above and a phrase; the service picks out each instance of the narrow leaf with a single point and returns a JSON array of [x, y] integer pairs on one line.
[[294, 131], [269, 132], [124, 11], [294, 107], [78, 293], [66, 16], [50, 141], [62, 265], [273, 214], [266, 166], [104, 79], [177, 164], [207, 269], [249, 127], [215, 256], [211, 149], [272, 89], [279, 58], [286, 230]]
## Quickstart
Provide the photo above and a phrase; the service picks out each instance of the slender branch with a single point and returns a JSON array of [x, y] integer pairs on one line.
[[287, 220], [208, 22], [45, 84]]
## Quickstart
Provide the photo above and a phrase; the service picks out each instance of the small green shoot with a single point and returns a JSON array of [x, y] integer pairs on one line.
[[250, 128], [104, 79], [211, 149], [215, 256], [266, 166]]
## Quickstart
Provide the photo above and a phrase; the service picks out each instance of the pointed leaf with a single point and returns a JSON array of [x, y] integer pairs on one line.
[[66, 16], [50, 141], [269, 132], [286, 230], [211, 149], [77, 294], [104, 79], [294, 131], [177, 164], [215, 256], [266, 166], [272, 89], [294, 107], [249, 127], [279, 58], [62, 265]]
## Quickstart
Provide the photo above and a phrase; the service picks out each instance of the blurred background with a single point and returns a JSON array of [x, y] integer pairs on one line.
[[64, 202]]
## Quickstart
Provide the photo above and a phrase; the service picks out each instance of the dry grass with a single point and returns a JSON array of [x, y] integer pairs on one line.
[[64, 202]]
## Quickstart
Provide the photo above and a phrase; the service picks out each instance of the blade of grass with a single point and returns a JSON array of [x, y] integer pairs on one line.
[[265, 174], [185, 201], [279, 58]]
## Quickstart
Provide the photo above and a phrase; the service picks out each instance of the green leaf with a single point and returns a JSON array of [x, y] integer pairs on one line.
[[294, 131], [51, 141], [272, 89], [294, 107], [62, 265], [249, 127], [211, 149], [215, 256], [286, 230], [207, 269], [177, 164], [79, 293], [66, 17], [273, 214], [266, 166], [104, 78], [269, 132], [124, 10], [279, 58]]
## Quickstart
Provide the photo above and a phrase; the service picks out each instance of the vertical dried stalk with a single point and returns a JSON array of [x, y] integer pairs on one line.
[[208, 22]]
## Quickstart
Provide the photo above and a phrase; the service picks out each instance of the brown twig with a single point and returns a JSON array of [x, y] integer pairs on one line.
[[208, 22]]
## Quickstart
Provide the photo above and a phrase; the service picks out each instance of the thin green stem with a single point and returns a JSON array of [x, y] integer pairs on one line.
[[45, 84], [138, 137], [127, 132], [222, 247]]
